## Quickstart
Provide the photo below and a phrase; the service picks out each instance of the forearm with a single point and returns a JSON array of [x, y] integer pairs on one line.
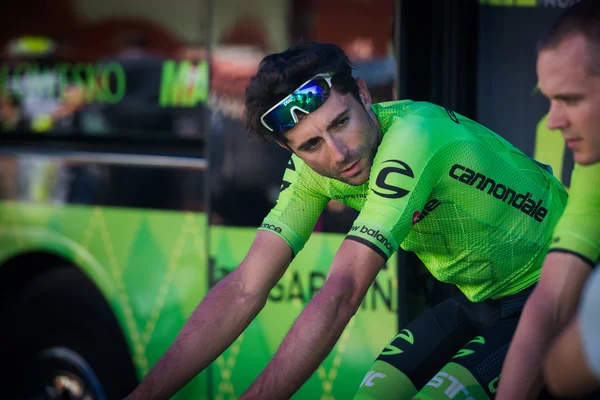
[[566, 370], [521, 372], [305, 347], [217, 321], [547, 312]]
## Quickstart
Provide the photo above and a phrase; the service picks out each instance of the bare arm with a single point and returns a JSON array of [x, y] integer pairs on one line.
[[320, 324], [566, 370], [550, 307], [219, 319]]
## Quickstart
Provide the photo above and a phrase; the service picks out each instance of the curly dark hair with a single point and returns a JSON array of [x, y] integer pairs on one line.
[[582, 18], [281, 73]]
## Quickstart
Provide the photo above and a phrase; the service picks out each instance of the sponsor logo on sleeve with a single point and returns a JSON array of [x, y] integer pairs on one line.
[[291, 165], [388, 189], [284, 185], [374, 233], [271, 227], [350, 196]]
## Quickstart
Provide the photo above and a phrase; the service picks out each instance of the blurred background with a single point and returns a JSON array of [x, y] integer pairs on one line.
[[129, 185]]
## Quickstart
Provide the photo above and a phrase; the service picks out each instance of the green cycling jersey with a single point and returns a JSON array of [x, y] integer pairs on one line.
[[477, 211]]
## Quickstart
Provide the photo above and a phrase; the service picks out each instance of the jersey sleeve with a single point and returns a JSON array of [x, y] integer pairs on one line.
[[578, 230], [404, 173], [299, 205]]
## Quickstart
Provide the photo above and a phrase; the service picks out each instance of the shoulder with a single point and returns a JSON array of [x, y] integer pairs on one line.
[[299, 175], [584, 192], [416, 131], [419, 121], [586, 178]]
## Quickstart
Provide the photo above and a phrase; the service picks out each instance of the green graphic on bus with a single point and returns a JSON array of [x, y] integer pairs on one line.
[[184, 84], [154, 267], [102, 83]]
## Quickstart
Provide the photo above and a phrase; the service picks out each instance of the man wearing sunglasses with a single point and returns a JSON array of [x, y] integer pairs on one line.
[[477, 211]]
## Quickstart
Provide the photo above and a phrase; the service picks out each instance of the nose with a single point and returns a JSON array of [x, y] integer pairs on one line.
[[337, 150], [557, 118]]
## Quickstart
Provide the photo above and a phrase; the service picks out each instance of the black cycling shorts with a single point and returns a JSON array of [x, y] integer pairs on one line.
[[468, 335]]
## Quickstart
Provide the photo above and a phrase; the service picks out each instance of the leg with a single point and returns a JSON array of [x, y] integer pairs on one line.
[[473, 373], [416, 353]]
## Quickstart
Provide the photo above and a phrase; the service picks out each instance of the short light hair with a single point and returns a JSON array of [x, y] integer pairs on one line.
[[583, 18]]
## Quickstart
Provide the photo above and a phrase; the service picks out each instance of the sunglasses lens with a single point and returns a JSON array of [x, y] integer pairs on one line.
[[307, 99], [312, 95], [280, 119]]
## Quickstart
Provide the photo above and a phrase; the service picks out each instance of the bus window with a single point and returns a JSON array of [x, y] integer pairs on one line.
[[109, 70]]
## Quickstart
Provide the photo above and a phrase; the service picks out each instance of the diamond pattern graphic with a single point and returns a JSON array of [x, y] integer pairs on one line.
[[339, 375], [155, 267]]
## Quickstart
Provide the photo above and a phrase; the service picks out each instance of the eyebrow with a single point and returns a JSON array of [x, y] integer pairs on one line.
[[568, 96], [306, 144], [562, 96]]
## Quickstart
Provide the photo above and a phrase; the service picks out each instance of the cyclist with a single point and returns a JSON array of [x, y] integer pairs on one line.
[[568, 68], [476, 210]]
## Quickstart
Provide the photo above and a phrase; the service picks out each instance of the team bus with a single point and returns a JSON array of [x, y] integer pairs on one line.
[[129, 186]]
